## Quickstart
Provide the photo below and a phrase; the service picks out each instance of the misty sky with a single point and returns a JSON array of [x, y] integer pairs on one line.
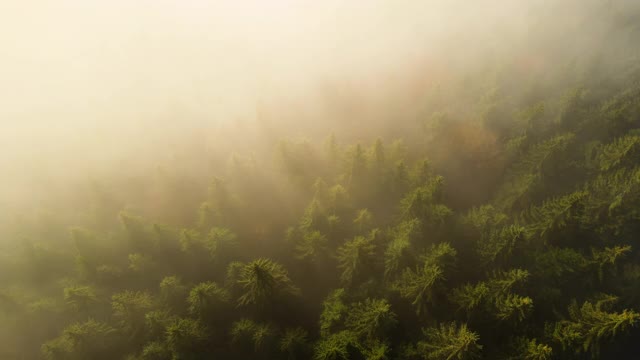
[[72, 60], [89, 81]]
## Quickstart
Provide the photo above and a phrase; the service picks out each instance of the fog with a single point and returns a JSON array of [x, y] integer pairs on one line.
[[106, 86], [326, 179]]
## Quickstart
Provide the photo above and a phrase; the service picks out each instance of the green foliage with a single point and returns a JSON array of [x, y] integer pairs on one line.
[[334, 312], [514, 308], [423, 203], [589, 325], [525, 174], [502, 282], [521, 194], [530, 349], [207, 300], [339, 346], [313, 218], [190, 241], [422, 171], [538, 351], [355, 258], [363, 220], [608, 257], [399, 252], [259, 335], [450, 342], [419, 285], [157, 322], [242, 330], [442, 255], [156, 351], [221, 243], [371, 318], [620, 151], [312, 247], [396, 255], [130, 307], [400, 179], [295, 343], [484, 218], [357, 164], [88, 340], [186, 339], [553, 215], [376, 350], [470, 297], [263, 282], [499, 245], [141, 263], [80, 298], [560, 264], [173, 293], [495, 297]]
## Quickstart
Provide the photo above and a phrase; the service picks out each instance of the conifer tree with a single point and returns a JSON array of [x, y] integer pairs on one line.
[[355, 258], [262, 282], [450, 342]]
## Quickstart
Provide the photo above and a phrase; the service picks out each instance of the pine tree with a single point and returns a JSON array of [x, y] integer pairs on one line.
[[450, 342], [260, 336], [88, 340], [357, 166], [138, 234], [502, 282], [553, 215], [624, 150], [221, 244], [423, 203], [80, 298], [355, 258], [207, 301], [530, 349], [371, 319], [311, 247], [514, 308], [398, 253], [499, 245], [607, 258], [442, 255], [470, 298], [419, 285], [156, 350], [295, 343], [339, 346], [334, 312], [363, 221], [525, 174], [156, 323], [262, 282], [589, 325], [129, 308], [186, 339], [173, 293]]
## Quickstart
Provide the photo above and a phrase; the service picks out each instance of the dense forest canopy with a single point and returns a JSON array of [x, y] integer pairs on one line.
[[466, 187]]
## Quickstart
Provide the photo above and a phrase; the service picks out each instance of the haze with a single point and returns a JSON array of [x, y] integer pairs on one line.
[[93, 82], [282, 179], [86, 84]]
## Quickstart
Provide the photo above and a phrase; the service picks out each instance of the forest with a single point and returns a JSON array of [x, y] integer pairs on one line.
[[498, 218]]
